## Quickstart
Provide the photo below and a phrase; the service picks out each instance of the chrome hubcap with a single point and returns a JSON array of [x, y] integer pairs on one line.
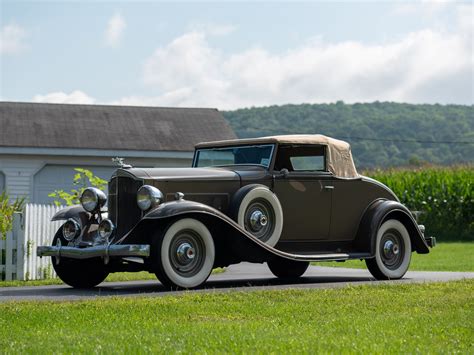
[[392, 249], [185, 252], [258, 220]]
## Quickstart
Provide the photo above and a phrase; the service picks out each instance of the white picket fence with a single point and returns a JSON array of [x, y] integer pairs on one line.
[[33, 227]]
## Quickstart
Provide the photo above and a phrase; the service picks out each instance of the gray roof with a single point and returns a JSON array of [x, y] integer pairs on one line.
[[38, 125]]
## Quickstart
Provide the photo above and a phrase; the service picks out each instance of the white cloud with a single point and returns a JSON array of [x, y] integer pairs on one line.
[[427, 66], [12, 39], [424, 66], [115, 28], [75, 97]]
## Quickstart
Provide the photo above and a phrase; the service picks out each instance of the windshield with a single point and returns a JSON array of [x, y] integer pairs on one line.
[[252, 154]]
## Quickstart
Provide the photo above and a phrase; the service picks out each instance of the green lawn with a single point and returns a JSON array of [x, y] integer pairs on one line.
[[415, 318], [443, 257]]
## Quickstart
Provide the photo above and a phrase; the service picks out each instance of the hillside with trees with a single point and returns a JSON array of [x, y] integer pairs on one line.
[[382, 134]]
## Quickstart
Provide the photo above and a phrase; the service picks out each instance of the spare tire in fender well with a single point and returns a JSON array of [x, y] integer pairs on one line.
[[267, 224], [379, 211]]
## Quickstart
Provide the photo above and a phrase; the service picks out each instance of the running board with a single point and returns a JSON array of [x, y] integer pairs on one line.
[[330, 257]]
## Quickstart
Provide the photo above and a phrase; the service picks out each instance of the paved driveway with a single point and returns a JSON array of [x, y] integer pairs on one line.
[[241, 277]]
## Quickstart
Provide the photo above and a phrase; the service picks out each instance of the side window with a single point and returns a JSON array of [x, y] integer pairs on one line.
[[311, 163], [301, 158]]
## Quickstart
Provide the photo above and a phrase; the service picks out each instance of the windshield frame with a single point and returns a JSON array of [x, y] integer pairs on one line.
[[270, 163]]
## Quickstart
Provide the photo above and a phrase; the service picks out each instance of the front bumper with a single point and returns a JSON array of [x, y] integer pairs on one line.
[[431, 241], [140, 250]]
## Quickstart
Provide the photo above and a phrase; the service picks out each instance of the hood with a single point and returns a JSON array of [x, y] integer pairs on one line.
[[180, 173]]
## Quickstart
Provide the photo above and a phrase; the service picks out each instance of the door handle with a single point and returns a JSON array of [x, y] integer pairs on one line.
[[329, 187]]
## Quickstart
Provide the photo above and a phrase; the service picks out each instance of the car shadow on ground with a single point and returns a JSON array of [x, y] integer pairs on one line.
[[133, 288]]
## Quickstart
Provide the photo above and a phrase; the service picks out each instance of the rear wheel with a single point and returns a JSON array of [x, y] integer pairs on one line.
[[78, 273], [287, 269], [392, 251], [184, 254]]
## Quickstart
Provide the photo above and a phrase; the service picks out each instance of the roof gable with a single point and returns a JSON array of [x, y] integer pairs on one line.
[[109, 127]]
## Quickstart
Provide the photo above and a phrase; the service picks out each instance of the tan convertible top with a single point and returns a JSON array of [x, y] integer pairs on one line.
[[339, 158]]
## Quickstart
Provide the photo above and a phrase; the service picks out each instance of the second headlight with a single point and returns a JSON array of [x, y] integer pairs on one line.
[[106, 229], [148, 197]]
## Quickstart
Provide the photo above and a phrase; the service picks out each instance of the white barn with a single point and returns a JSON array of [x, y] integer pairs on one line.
[[41, 144]]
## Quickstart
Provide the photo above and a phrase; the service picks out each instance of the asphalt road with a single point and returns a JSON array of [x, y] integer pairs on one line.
[[241, 277]]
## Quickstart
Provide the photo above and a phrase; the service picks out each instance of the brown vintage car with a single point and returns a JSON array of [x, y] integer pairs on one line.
[[283, 200]]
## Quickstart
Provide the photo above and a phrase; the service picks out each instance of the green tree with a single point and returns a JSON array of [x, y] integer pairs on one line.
[[382, 134], [82, 179]]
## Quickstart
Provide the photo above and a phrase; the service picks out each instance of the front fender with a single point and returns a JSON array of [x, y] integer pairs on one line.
[[176, 208], [232, 237], [76, 212], [378, 212]]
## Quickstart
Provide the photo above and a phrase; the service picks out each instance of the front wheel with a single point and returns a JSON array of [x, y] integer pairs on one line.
[[184, 254], [78, 273], [392, 251], [287, 269]]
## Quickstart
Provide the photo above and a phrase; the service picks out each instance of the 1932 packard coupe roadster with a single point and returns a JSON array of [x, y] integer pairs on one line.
[[283, 200]]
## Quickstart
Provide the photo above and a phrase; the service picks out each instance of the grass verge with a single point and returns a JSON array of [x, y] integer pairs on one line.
[[115, 277], [443, 257], [416, 318]]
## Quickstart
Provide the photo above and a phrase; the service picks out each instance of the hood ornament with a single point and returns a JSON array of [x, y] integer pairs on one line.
[[121, 162]]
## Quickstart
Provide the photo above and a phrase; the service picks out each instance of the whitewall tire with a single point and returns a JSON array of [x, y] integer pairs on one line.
[[392, 251], [186, 254], [259, 213]]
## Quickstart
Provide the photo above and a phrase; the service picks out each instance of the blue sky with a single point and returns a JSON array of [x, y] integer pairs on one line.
[[236, 54]]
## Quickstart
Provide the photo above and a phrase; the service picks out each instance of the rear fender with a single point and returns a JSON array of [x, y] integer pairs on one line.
[[377, 213]]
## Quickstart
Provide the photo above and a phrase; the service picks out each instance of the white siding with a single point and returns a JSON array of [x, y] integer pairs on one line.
[[18, 173], [20, 170], [60, 177], [2, 182]]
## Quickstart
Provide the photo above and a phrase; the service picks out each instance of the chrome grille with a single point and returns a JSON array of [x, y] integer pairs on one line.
[[122, 205]]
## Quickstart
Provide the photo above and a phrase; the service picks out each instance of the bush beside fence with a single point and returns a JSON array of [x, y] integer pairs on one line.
[[31, 228]]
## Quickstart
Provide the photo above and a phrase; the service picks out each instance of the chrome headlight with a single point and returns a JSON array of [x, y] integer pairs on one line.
[[148, 196], [105, 229], [93, 199], [71, 229]]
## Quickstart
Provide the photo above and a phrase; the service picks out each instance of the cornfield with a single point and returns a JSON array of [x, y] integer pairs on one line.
[[442, 195]]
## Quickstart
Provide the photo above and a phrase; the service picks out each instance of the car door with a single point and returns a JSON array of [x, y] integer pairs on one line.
[[304, 189]]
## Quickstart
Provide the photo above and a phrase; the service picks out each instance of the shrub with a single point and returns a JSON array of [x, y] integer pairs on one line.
[[83, 179], [7, 209], [443, 195]]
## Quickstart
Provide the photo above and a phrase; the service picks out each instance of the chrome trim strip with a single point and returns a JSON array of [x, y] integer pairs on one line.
[[142, 250]]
